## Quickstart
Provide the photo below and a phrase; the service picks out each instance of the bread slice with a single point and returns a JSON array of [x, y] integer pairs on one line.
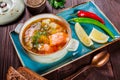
[[14, 75], [29, 75]]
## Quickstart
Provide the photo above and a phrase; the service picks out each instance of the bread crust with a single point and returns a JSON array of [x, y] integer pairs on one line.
[[14, 75], [29, 74]]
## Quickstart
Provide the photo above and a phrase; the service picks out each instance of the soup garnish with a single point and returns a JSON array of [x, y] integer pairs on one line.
[[45, 36]]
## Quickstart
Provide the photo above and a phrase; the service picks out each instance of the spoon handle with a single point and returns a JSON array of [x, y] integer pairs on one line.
[[73, 76]]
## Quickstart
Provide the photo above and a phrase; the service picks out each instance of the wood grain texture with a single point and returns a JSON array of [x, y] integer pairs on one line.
[[110, 71]]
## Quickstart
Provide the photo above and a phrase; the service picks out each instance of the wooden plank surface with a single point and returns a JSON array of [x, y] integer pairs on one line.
[[110, 71]]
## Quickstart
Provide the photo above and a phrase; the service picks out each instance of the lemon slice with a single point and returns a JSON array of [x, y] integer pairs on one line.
[[98, 36], [82, 35]]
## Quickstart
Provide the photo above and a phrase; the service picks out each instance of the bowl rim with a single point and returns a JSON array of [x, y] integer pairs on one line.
[[27, 21]]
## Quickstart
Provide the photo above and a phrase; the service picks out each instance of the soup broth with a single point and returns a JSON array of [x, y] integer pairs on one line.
[[45, 36]]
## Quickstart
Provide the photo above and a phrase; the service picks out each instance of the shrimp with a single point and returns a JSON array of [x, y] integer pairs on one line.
[[46, 49]]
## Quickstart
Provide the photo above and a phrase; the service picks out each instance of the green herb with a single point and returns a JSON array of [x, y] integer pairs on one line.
[[57, 3], [35, 38], [95, 22]]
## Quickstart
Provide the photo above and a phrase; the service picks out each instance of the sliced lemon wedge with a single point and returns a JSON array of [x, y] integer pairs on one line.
[[82, 35], [98, 36]]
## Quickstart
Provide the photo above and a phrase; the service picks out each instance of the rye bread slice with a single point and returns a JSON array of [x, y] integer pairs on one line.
[[14, 75], [30, 75]]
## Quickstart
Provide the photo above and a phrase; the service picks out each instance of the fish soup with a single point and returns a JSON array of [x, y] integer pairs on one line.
[[45, 36]]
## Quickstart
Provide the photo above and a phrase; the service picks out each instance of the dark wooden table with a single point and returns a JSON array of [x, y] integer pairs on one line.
[[110, 71]]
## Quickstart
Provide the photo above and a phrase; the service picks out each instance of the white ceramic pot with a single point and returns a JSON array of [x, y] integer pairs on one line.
[[71, 45], [10, 10]]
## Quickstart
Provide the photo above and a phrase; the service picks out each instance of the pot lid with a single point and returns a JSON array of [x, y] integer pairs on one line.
[[10, 10]]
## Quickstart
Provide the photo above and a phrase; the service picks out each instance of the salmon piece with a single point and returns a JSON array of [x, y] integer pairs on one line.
[[58, 38]]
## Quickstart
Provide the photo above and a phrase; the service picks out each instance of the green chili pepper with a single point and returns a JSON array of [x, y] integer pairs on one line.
[[95, 22]]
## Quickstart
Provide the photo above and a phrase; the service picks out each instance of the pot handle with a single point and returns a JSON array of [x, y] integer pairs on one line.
[[18, 28], [73, 45]]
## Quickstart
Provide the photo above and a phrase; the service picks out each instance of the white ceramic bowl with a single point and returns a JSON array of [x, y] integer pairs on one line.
[[71, 45]]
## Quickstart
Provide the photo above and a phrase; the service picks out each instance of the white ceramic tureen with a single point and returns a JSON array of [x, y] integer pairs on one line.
[[10, 10]]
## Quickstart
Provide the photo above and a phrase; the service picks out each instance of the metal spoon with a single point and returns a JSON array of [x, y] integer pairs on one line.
[[98, 61]]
